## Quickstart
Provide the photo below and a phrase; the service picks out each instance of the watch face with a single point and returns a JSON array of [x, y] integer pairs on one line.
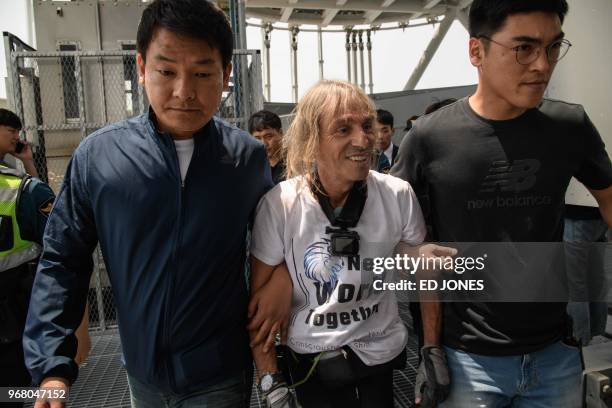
[[266, 382]]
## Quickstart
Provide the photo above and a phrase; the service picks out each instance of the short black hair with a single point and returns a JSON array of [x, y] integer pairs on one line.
[[488, 16], [8, 118], [437, 105], [264, 120], [385, 117], [200, 19]]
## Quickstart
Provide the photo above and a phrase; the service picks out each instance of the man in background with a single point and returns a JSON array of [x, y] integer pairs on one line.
[[384, 131], [266, 127]]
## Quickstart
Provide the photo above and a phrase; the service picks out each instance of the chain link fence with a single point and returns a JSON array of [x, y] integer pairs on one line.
[[63, 96]]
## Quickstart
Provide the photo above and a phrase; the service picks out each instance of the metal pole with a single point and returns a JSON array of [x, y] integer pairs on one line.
[[430, 51], [265, 32], [369, 47], [320, 47], [80, 94], [354, 47], [464, 19], [361, 60], [294, 68], [348, 54], [99, 296], [238, 22], [11, 68], [102, 85], [258, 100], [241, 90]]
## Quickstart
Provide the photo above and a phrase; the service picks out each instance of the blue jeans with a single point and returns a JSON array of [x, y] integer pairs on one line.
[[231, 393], [546, 378]]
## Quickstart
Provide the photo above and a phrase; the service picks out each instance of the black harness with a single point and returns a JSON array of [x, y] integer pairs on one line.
[[344, 242]]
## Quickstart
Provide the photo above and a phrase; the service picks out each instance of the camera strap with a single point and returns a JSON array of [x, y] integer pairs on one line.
[[352, 209]]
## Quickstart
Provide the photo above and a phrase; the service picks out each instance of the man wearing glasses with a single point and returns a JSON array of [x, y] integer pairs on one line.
[[494, 167]]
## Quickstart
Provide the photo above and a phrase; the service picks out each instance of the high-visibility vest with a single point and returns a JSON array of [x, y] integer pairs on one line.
[[14, 250]]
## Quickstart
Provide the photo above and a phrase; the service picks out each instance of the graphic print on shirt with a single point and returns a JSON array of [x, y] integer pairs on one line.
[[323, 270], [517, 176], [321, 266], [505, 178]]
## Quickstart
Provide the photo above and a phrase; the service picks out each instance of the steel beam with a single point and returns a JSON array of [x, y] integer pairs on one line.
[[464, 19], [320, 50], [347, 45], [404, 6], [430, 3], [361, 60], [293, 43], [370, 75], [430, 51], [328, 16], [286, 14]]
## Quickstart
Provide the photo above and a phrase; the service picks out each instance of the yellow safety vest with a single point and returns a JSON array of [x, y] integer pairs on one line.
[[14, 251]]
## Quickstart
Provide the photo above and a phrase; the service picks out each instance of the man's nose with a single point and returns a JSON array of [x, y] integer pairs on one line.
[[541, 64], [184, 88], [363, 139]]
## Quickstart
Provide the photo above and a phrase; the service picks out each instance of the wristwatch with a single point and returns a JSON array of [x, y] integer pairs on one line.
[[268, 380]]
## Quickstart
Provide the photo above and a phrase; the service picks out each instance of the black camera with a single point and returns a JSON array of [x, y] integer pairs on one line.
[[343, 242]]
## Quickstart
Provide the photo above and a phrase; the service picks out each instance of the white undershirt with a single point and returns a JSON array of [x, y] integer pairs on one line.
[[184, 151]]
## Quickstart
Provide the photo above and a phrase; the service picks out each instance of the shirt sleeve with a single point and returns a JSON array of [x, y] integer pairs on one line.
[[35, 203], [60, 287], [595, 171], [264, 172], [414, 230], [410, 166], [267, 242]]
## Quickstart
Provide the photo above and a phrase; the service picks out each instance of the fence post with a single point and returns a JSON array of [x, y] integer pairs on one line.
[[99, 298], [80, 94]]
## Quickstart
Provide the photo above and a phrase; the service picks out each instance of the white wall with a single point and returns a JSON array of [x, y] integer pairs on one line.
[[585, 75], [16, 18]]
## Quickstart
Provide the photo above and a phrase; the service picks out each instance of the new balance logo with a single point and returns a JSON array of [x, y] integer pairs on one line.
[[519, 175]]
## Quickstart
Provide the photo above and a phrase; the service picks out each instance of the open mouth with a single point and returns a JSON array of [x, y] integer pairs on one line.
[[358, 158]]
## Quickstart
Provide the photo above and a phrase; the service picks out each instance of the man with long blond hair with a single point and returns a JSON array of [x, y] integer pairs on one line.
[[325, 221]]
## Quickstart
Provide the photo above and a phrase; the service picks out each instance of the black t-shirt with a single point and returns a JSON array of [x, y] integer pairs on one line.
[[493, 181]]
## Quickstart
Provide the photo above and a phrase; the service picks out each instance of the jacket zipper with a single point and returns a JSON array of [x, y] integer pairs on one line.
[[175, 261]]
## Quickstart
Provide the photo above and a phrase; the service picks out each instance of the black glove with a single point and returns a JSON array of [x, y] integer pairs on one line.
[[280, 396], [432, 380]]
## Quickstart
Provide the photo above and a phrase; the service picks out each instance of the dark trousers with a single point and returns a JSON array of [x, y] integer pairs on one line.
[[417, 324], [15, 287], [371, 388], [13, 372]]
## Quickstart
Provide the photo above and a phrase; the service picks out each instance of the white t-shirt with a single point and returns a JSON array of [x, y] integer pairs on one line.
[[290, 226], [184, 151]]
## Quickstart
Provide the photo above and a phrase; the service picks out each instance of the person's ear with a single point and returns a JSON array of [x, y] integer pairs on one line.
[[140, 62], [476, 51], [227, 72]]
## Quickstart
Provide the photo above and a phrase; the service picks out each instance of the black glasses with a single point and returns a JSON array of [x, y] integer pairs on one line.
[[527, 53]]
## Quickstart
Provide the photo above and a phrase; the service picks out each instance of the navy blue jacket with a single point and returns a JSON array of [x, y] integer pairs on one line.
[[174, 253]]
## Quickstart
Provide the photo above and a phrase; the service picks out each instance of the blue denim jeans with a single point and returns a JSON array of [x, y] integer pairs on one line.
[[547, 378], [231, 393]]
